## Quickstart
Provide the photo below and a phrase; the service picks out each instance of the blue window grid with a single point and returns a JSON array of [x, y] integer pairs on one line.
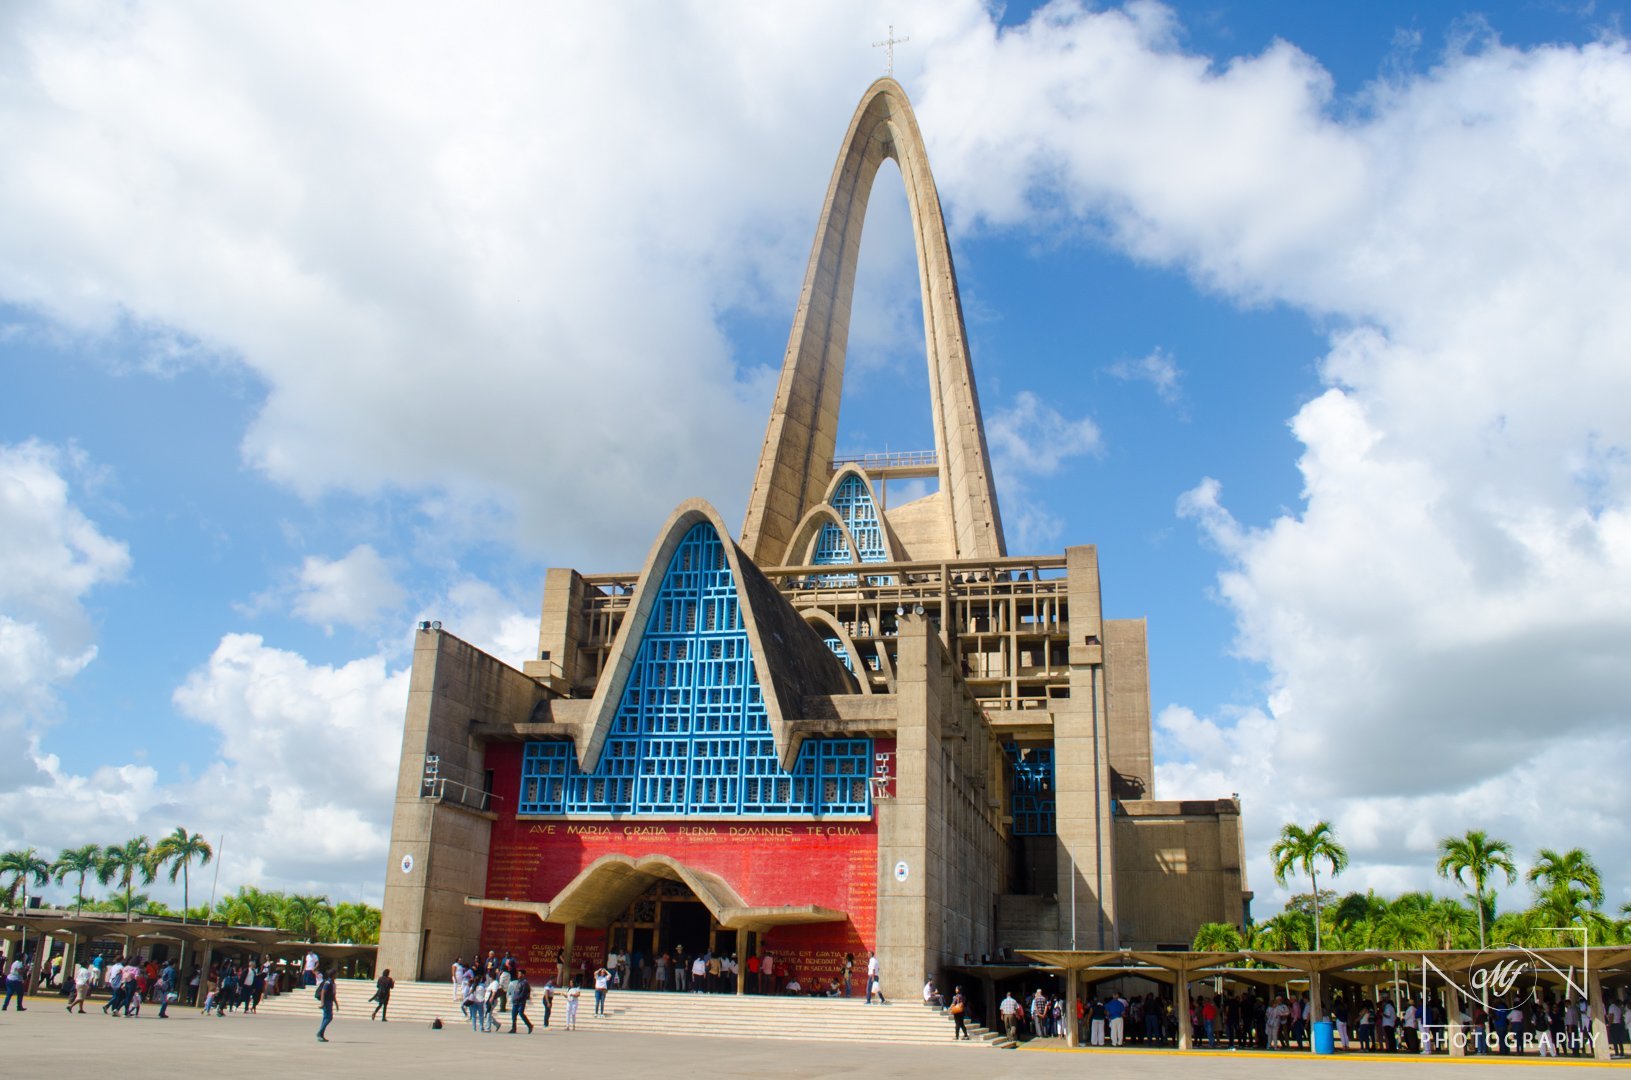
[[854, 504], [1031, 801], [691, 735]]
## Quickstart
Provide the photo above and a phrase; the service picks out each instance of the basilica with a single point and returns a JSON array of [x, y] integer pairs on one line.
[[855, 726]]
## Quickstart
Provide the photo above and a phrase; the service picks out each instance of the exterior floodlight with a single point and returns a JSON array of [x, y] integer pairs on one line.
[[435, 626], [917, 609], [424, 626]]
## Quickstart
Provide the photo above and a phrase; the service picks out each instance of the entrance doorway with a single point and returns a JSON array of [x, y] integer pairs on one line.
[[687, 923], [668, 918]]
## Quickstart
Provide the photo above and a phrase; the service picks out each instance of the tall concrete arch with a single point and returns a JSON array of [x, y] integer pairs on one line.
[[795, 464]]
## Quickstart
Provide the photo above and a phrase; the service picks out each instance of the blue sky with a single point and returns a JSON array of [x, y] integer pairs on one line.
[[1300, 312]]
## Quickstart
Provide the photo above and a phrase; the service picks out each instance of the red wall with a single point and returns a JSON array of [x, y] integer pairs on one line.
[[830, 864]]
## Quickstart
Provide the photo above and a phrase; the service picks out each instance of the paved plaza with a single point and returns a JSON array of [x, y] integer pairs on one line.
[[49, 1042]]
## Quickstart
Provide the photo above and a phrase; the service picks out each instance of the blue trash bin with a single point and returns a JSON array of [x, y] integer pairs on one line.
[[1325, 1037]]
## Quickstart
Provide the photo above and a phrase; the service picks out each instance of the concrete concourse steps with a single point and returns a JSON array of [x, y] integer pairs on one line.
[[719, 1015]]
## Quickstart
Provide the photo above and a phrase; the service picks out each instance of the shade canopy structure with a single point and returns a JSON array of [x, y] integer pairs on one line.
[[142, 929], [1578, 972]]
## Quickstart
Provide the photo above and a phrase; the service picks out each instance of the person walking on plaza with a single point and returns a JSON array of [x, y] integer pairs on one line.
[[873, 984], [167, 988], [478, 1005], [15, 979], [382, 996], [520, 991], [548, 998], [83, 974], [327, 998], [959, 1007], [603, 982], [573, 993], [1010, 1015]]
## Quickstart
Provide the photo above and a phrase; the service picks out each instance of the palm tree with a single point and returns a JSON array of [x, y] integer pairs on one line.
[[1399, 928], [250, 906], [1572, 868], [358, 924], [81, 861], [1298, 848], [128, 904], [1477, 857], [1446, 921], [179, 849], [23, 865], [1286, 932], [303, 914], [1520, 928], [1218, 937], [124, 862]]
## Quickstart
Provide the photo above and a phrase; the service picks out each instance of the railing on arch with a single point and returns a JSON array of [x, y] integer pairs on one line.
[[890, 459]]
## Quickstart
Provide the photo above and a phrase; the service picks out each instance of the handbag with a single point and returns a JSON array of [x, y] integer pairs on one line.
[[957, 1008]]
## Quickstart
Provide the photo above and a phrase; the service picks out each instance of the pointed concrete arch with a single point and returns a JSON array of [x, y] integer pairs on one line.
[[827, 626], [800, 662], [798, 548], [796, 462]]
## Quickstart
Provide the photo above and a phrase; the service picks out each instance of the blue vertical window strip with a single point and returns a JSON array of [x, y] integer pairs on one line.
[[1031, 800], [691, 736]]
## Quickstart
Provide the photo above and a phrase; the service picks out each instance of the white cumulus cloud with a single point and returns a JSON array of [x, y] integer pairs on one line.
[[353, 590], [1445, 619]]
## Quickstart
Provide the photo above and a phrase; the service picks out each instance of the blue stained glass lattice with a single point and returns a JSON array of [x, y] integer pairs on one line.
[[853, 502], [1031, 802], [691, 736]]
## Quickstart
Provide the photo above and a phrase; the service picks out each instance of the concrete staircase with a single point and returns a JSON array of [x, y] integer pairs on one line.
[[717, 1015]]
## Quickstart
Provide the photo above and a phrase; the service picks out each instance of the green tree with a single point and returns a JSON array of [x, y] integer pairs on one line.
[[124, 863], [1475, 858], [78, 861], [1569, 869], [24, 865], [1218, 937], [250, 906], [1306, 849], [1289, 931], [1446, 923], [303, 915], [128, 904], [356, 924], [178, 850], [1522, 928]]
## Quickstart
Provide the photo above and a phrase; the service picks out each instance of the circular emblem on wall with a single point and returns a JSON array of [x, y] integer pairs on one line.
[[407, 864], [902, 870]]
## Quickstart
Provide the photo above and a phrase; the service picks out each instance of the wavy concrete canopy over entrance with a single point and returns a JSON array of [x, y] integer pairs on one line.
[[795, 466], [607, 886]]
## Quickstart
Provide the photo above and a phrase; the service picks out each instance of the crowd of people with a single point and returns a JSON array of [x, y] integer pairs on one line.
[[1252, 1020], [678, 971]]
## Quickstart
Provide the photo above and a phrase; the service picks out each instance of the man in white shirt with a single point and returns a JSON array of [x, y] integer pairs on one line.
[[311, 969], [82, 987], [14, 985], [873, 984]]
